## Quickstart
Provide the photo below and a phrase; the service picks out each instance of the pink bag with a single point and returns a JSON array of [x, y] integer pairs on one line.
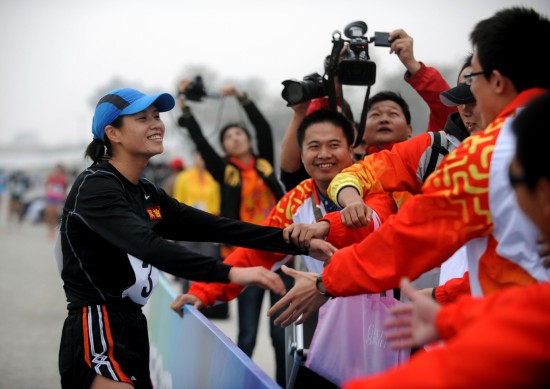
[[349, 339]]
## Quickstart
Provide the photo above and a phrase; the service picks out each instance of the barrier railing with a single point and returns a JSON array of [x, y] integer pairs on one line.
[[192, 352]]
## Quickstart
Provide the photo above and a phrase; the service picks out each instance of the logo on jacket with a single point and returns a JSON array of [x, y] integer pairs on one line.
[[154, 213]]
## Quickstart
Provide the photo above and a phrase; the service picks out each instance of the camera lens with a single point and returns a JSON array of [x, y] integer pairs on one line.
[[312, 87], [293, 92]]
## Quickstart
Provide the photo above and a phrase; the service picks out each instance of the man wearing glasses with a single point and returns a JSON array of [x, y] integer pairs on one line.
[[505, 335]]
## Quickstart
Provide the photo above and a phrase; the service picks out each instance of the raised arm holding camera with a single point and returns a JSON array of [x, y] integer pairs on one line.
[[249, 190], [426, 80]]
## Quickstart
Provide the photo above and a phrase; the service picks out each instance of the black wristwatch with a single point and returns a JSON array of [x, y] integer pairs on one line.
[[321, 287]]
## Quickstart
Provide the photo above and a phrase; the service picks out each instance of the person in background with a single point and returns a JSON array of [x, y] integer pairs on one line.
[[508, 328], [249, 190], [18, 185], [176, 166], [118, 231], [3, 188], [55, 190], [196, 187]]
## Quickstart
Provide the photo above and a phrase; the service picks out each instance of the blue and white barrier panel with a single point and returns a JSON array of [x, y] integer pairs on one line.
[[192, 352]]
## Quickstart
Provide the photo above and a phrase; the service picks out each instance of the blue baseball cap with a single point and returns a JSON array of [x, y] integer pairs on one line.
[[126, 101]]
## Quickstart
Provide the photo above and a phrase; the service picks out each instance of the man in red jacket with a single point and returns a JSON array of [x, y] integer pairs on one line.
[[501, 340]]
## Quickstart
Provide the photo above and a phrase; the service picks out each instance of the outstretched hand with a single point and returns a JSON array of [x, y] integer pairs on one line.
[[244, 276], [257, 276], [300, 302], [182, 299], [412, 324], [321, 250]]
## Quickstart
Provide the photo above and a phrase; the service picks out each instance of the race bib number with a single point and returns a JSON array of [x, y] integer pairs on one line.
[[147, 277]]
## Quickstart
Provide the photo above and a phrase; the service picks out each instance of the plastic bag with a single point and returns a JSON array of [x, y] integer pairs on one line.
[[349, 338]]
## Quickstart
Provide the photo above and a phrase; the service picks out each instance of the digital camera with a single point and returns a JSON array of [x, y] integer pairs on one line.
[[311, 87], [195, 90]]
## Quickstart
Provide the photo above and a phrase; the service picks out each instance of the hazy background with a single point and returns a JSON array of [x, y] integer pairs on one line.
[[60, 56]]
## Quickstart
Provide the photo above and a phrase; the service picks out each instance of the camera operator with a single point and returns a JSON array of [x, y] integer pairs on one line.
[[249, 190]]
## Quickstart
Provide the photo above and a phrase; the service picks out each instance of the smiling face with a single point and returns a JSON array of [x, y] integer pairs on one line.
[[386, 123], [140, 134], [325, 151]]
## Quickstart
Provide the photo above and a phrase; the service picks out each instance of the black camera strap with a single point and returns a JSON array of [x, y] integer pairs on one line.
[[241, 118], [363, 121], [337, 46], [217, 126]]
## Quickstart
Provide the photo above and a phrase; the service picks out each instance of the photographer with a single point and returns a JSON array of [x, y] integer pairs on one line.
[[249, 190], [425, 80]]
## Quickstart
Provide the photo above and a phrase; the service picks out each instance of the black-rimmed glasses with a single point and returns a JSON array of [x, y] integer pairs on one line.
[[470, 76]]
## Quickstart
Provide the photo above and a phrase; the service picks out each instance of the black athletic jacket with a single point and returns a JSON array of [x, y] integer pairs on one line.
[[114, 235]]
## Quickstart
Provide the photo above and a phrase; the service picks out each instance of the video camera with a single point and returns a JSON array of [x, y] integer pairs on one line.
[[353, 67]]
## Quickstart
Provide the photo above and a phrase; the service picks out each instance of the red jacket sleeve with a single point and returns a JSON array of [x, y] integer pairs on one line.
[[340, 236], [429, 83], [500, 341], [385, 171], [453, 289], [241, 257], [280, 216], [426, 231]]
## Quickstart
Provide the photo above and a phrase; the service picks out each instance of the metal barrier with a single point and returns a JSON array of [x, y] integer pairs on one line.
[[298, 339]]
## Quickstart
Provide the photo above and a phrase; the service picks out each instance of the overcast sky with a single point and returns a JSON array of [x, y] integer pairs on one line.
[[57, 53]]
